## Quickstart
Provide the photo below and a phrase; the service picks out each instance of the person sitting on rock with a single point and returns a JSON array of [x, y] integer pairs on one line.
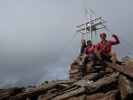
[[104, 48], [83, 46], [89, 48], [90, 52]]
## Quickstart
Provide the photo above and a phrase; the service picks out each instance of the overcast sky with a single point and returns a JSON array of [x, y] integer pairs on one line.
[[35, 36]]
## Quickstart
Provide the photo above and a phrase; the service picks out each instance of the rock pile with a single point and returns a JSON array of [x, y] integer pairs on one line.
[[108, 82]]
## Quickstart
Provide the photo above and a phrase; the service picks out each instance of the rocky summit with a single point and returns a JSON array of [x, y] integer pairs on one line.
[[107, 81]]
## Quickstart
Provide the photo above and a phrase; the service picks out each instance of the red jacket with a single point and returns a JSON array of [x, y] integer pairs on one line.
[[89, 50], [106, 48]]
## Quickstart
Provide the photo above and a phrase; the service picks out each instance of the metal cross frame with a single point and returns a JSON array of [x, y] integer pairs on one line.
[[91, 26]]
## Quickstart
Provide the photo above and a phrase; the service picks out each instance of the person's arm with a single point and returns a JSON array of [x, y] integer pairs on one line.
[[85, 51], [117, 41]]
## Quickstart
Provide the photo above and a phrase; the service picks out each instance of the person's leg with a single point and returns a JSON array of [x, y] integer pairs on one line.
[[98, 55], [93, 58], [113, 57], [81, 71], [88, 68], [84, 61]]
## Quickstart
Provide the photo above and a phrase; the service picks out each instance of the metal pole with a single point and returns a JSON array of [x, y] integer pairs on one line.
[[90, 29]]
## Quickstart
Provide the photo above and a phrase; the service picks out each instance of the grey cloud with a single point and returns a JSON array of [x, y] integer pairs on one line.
[[35, 35]]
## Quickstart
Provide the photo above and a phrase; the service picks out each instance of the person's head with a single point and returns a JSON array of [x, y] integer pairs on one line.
[[103, 36], [89, 43], [83, 42]]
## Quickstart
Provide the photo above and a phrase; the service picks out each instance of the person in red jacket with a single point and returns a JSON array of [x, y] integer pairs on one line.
[[104, 47], [89, 48], [90, 53]]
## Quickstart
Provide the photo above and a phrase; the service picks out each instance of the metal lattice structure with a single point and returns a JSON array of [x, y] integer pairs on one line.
[[91, 26]]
